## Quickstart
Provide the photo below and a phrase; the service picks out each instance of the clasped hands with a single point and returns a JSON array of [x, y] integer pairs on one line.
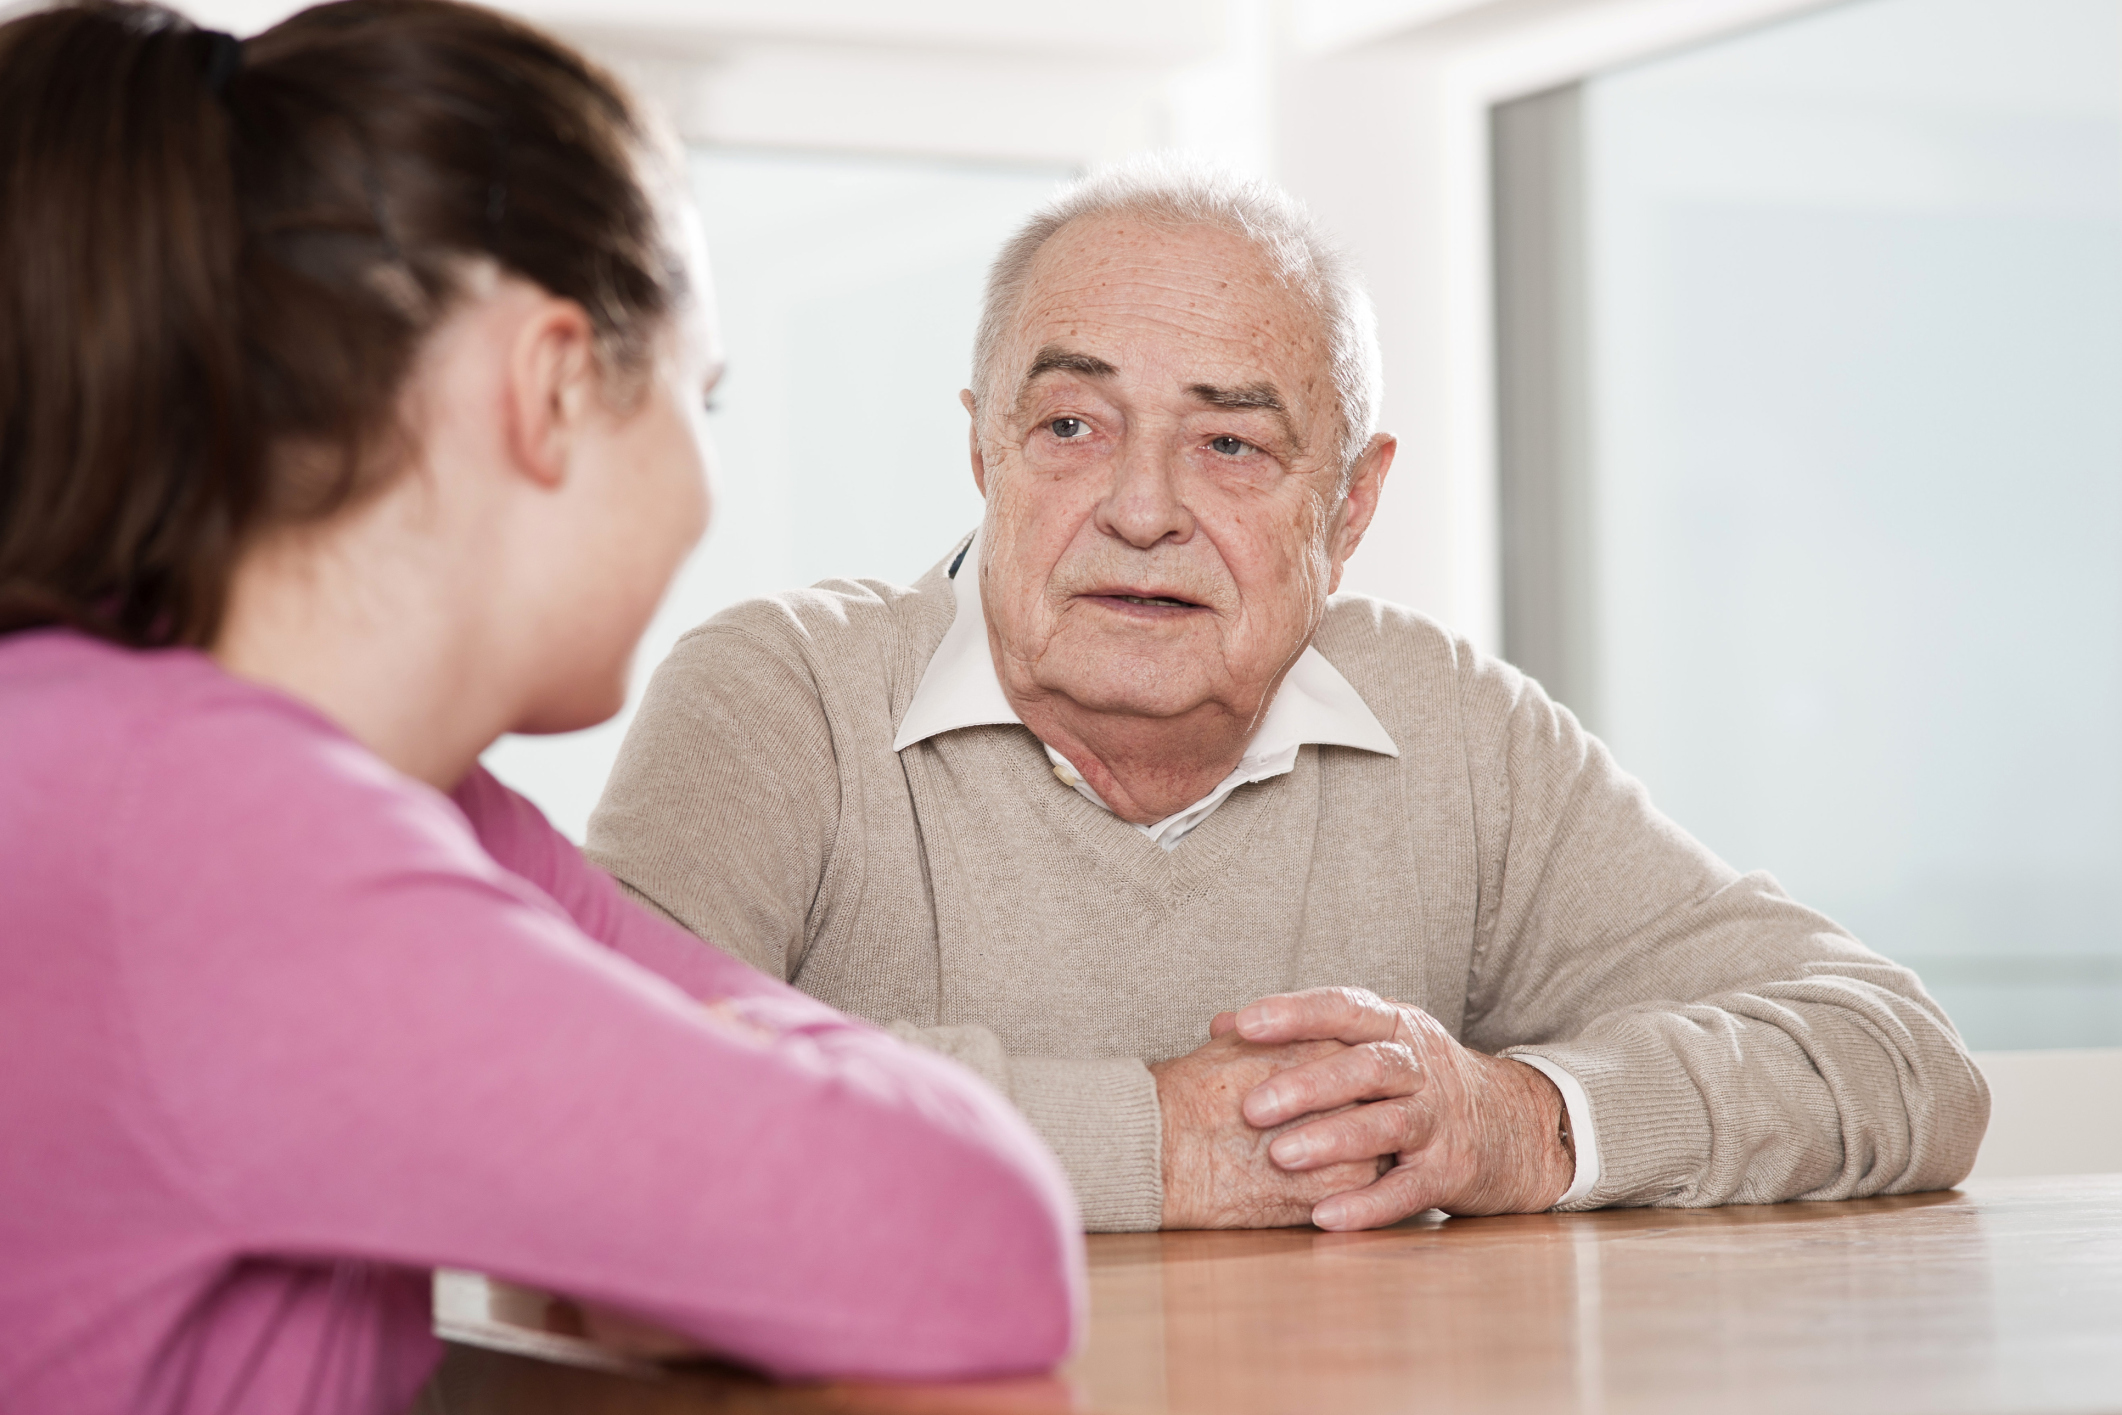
[[1337, 1107]]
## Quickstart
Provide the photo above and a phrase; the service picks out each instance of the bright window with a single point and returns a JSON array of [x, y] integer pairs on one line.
[[1814, 468]]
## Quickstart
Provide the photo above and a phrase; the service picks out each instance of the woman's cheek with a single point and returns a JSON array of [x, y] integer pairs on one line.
[[685, 501]]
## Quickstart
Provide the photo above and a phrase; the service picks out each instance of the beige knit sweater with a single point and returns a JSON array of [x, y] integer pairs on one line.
[[1501, 872]]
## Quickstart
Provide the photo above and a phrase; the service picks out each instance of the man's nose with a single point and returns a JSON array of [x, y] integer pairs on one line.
[[1143, 505]]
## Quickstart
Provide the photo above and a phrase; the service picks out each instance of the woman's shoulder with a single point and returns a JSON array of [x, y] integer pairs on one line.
[[72, 703], [77, 714], [61, 683], [159, 759], [48, 671]]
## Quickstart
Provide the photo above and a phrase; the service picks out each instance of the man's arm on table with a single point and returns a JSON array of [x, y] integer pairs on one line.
[[1732, 1045], [723, 817]]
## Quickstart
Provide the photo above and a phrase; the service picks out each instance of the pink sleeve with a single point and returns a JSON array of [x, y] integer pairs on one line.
[[518, 836], [364, 1039]]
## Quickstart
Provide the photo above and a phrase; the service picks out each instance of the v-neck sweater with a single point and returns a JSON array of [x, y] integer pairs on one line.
[[1502, 873]]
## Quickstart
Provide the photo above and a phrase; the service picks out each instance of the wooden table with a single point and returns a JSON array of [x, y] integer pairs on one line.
[[2004, 1297]]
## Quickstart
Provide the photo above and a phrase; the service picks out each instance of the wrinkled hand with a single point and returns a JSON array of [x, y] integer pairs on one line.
[[1468, 1133], [1217, 1173]]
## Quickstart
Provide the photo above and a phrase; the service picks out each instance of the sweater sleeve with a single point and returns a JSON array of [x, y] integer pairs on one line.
[[364, 1038], [1099, 1115], [720, 818], [1736, 1047], [520, 839]]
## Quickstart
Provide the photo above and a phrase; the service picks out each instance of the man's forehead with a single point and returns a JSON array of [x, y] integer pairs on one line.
[[1197, 304], [1107, 265]]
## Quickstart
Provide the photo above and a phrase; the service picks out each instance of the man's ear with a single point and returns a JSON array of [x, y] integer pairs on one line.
[[972, 437], [1361, 503], [552, 376]]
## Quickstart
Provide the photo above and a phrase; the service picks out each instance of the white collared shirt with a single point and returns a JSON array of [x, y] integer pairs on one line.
[[1315, 705], [961, 689]]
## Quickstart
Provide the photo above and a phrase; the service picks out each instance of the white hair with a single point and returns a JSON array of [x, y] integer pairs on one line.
[[1179, 191]]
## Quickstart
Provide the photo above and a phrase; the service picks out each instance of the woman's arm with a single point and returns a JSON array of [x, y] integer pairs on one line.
[[362, 1038], [519, 838]]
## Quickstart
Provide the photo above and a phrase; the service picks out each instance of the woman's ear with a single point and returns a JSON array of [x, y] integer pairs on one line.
[[553, 381]]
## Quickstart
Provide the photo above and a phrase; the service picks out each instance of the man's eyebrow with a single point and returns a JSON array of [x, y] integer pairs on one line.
[[1263, 396], [1252, 395], [1054, 359]]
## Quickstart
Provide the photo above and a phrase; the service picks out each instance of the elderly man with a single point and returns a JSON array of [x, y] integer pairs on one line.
[[1121, 806]]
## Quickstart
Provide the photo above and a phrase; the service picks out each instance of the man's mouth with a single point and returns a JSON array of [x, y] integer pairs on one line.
[[1131, 602]]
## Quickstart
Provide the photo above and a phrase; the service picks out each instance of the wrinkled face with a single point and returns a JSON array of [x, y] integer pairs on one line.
[[1160, 457]]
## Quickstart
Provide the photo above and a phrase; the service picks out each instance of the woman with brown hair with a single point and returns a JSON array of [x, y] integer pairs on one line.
[[349, 384]]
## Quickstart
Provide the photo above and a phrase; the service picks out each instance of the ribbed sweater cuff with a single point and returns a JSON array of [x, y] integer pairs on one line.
[[1654, 1133], [1101, 1118]]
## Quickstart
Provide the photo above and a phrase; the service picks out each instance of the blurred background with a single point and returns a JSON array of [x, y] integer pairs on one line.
[[1757, 366]]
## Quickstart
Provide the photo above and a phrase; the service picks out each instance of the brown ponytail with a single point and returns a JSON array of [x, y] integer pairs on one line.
[[213, 283]]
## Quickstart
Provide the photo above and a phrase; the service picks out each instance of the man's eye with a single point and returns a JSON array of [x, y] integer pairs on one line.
[[1232, 446], [1068, 428]]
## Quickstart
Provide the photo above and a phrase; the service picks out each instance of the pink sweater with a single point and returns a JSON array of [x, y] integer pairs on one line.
[[281, 1030]]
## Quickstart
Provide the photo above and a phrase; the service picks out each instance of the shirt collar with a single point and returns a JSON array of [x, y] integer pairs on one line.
[[960, 688]]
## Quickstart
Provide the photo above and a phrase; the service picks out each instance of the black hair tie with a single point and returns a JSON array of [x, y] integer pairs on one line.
[[224, 56]]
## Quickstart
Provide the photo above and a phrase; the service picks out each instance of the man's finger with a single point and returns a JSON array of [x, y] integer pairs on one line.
[[1399, 1192], [1363, 1133], [1351, 1015], [1221, 1023], [1373, 1071]]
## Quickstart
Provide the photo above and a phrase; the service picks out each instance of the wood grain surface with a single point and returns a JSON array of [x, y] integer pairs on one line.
[[2006, 1296]]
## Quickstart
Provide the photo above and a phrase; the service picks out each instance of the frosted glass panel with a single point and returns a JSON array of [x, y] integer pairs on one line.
[[1856, 370], [849, 288]]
